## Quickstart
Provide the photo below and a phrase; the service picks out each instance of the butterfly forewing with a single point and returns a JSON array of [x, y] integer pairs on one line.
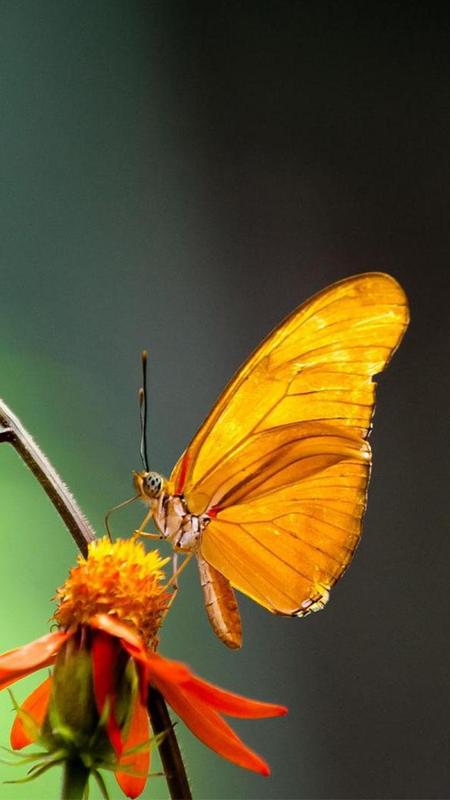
[[339, 339]]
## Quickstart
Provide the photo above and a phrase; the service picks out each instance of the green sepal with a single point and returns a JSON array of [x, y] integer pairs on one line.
[[31, 729]]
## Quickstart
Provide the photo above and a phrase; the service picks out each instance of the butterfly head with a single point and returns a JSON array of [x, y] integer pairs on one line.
[[150, 485]]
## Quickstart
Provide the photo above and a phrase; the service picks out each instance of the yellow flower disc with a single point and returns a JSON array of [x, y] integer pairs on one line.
[[118, 578]]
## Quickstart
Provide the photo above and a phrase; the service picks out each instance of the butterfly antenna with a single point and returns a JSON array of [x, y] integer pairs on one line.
[[143, 407]]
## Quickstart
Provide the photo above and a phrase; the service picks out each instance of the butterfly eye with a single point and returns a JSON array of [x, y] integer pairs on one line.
[[153, 484]]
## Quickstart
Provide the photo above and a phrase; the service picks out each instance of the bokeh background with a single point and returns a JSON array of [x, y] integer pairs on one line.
[[179, 177]]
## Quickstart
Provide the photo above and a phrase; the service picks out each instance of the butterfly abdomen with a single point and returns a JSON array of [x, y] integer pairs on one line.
[[221, 605]]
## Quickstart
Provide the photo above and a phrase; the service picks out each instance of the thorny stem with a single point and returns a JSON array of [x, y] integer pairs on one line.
[[12, 431]]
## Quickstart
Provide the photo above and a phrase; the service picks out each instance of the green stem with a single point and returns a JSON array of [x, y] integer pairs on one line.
[[75, 778]]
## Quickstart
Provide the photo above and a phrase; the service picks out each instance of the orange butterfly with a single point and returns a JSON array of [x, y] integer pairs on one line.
[[271, 491]]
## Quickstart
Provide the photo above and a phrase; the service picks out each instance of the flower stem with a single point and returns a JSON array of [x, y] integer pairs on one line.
[[169, 750], [75, 778], [12, 431]]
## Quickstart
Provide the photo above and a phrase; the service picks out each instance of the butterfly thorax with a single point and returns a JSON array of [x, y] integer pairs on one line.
[[170, 512], [175, 522]]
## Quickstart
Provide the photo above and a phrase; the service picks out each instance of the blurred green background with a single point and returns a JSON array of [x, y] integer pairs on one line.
[[180, 177]]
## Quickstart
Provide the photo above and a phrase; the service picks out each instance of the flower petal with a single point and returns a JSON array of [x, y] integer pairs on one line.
[[234, 705], [139, 733], [105, 652], [24, 660], [193, 699], [133, 644], [36, 706], [211, 729], [112, 625], [158, 666]]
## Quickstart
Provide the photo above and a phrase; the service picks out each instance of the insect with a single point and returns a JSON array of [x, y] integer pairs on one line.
[[270, 493]]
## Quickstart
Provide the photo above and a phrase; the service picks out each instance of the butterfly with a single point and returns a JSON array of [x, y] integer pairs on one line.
[[270, 493]]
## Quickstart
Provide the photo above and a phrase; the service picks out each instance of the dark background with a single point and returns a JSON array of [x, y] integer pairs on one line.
[[180, 177]]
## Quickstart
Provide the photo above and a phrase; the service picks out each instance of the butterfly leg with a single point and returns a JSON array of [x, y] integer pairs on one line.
[[173, 581], [140, 531], [178, 570], [146, 535]]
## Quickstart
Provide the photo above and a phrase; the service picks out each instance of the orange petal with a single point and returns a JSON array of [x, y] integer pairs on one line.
[[139, 732], [164, 669], [158, 666], [36, 706], [104, 652], [24, 660], [113, 626], [212, 730], [234, 705]]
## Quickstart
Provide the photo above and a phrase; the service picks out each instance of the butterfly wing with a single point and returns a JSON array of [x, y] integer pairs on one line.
[[281, 463]]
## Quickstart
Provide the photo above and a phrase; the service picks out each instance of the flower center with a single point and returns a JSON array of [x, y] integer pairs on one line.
[[118, 578]]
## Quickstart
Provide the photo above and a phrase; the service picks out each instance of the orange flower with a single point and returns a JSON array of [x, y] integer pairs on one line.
[[105, 632]]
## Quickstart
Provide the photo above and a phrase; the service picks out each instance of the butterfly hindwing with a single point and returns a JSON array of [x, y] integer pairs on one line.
[[288, 547]]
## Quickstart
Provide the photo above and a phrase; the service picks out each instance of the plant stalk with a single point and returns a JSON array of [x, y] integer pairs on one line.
[[75, 778], [169, 749], [13, 432]]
